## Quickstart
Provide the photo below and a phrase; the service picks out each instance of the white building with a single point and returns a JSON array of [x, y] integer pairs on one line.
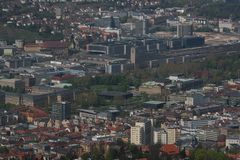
[[232, 141], [159, 136], [173, 134], [141, 133], [208, 135]]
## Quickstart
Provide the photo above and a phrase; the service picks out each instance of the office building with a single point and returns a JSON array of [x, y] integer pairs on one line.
[[61, 111], [112, 49], [141, 133]]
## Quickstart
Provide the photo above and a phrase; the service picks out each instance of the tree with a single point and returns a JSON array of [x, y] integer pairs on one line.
[[85, 156], [3, 150]]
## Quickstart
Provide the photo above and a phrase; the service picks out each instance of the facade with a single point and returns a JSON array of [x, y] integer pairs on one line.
[[184, 29], [111, 49], [195, 99], [151, 88], [232, 141], [192, 41], [137, 135], [16, 84], [61, 111], [87, 114], [113, 68], [141, 133], [225, 24], [2, 97], [173, 135], [159, 136], [108, 22], [208, 135], [193, 124]]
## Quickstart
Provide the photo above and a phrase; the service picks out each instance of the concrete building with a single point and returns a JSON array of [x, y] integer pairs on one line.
[[108, 22], [208, 134], [184, 29], [87, 114], [159, 136], [173, 134], [61, 111], [151, 88], [113, 68], [141, 133], [193, 124], [15, 84], [234, 140], [141, 27], [111, 49], [211, 108], [192, 41], [225, 24], [195, 99], [2, 97]]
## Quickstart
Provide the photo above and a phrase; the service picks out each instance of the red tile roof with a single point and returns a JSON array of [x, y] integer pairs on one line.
[[170, 149], [54, 44]]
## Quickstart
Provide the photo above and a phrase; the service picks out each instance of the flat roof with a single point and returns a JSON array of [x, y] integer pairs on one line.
[[114, 93], [155, 102]]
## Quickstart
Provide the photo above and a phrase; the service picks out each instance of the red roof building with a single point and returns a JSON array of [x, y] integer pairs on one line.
[[170, 149]]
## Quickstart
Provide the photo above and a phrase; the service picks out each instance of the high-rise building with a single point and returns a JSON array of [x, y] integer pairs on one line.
[[61, 111], [173, 135], [184, 29], [141, 133], [159, 136]]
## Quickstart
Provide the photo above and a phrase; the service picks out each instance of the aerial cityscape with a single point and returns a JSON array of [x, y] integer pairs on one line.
[[119, 79]]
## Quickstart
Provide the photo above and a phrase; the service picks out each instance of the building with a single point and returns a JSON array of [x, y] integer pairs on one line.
[[173, 134], [226, 25], [108, 22], [154, 104], [61, 111], [111, 48], [192, 41], [159, 136], [211, 108], [2, 97], [151, 88], [208, 134], [12, 84], [141, 27], [141, 133], [113, 68], [197, 123], [137, 135], [87, 114], [115, 95], [184, 29], [195, 99], [233, 140]]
